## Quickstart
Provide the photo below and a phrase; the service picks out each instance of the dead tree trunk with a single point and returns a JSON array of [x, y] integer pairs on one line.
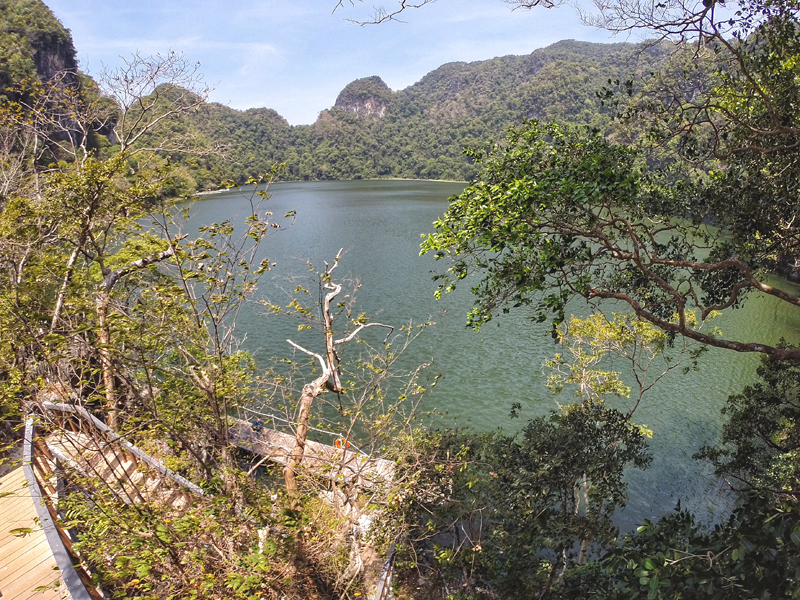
[[310, 391], [330, 371]]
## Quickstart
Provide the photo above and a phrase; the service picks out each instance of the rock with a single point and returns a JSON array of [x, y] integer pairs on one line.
[[366, 97]]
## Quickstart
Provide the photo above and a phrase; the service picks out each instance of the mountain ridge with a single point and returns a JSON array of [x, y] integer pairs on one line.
[[371, 131], [420, 131]]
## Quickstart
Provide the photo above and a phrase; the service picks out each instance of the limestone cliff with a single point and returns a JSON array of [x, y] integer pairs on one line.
[[33, 44], [366, 97]]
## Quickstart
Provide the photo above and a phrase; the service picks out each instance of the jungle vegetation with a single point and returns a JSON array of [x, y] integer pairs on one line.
[[107, 304], [418, 132]]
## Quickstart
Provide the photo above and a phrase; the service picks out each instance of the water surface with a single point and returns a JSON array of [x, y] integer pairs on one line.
[[378, 224]]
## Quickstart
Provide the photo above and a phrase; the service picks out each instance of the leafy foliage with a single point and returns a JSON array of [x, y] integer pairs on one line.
[[760, 439], [755, 554], [33, 43], [560, 212], [515, 514]]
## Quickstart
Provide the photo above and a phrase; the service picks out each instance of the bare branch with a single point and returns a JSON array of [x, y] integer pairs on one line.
[[381, 14], [529, 4], [150, 90], [323, 364], [360, 328]]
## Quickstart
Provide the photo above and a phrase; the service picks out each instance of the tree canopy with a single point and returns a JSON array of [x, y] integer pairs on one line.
[[560, 212]]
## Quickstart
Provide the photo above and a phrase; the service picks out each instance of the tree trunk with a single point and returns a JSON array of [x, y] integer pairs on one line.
[[106, 361], [333, 358], [310, 391], [585, 491], [62, 292]]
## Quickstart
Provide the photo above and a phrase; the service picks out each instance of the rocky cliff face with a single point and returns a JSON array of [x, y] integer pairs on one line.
[[53, 59], [367, 97], [34, 44]]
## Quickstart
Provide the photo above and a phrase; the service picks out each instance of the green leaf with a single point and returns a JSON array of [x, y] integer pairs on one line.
[[654, 583], [796, 536]]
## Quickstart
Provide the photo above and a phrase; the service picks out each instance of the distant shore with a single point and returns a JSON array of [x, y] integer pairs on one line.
[[209, 192]]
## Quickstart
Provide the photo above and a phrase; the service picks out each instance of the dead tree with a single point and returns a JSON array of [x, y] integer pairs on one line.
[[329, 378]]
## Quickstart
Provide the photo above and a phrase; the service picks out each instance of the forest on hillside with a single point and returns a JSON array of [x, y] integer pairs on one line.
[[421, 131], [660, 179]]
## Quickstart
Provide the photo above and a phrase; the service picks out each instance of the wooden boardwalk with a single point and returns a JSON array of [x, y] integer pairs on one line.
[[321, 459], [25, 562], [126, 476]]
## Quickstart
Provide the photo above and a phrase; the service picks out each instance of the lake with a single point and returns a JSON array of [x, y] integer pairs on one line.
[[378, 224]]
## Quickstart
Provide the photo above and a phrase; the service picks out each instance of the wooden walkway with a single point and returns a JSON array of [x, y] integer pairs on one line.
[[25, 562], [320, 459]]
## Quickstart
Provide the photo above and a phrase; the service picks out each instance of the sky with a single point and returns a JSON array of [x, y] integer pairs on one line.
[[295, 56]]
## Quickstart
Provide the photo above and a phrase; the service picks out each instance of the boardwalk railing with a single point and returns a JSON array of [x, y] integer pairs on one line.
[[43, 485], [88, 423], [81, 441], [75, 437]]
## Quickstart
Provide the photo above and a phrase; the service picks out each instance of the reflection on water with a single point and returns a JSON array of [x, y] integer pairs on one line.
[[378, 223]]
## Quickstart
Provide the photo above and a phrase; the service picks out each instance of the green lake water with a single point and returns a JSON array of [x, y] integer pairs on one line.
[[378, 224]]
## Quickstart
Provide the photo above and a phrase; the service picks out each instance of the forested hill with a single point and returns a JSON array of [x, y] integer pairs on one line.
[[33, 44], [371, 131], [420, 132]]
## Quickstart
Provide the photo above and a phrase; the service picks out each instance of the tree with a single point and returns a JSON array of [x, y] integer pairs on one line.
[[150, 91], [373, 400], [761, 437], [512, 516], [750, 553], [330, 377], [638, 343], [559, 213], [78, 206]]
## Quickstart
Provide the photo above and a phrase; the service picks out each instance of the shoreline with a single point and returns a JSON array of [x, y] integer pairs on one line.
[[212, 192]]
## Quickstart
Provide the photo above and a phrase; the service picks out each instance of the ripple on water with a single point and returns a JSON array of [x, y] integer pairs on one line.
[[379, 225]]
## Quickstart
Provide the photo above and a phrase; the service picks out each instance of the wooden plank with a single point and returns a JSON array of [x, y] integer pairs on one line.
[[38, 562], [18, 515], [21, 560], [15, 547], [26, 587], [25, 562]]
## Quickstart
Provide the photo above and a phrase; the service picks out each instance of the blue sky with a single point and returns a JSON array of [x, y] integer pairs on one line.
[[296, 55]]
